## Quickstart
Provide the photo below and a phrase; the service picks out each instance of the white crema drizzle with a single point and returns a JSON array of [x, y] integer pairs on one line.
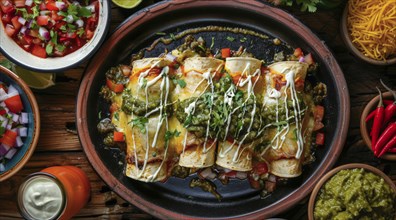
[[162, 117]]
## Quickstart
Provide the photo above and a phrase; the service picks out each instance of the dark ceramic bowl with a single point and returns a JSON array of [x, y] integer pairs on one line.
[[30, 106], [175, 199], [10, 49]]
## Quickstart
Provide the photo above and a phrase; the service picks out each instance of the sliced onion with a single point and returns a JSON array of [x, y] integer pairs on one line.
[[19, 142], [28, 2], [69, 19], [44, 33], [22, 131], [241, 175], [29, 24], [22, 21], [301, 60], [10, 154], [60, 5], [207, 173], [24, 119], [80, 23]]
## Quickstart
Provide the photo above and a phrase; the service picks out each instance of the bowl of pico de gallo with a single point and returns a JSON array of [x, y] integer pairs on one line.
[[19, 123], [52, 35]]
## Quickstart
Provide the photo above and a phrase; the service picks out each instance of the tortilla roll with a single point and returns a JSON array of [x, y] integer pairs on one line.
[[231, 154]]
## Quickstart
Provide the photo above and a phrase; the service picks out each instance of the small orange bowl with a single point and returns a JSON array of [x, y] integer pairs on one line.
[[364, 127], [325, 178]]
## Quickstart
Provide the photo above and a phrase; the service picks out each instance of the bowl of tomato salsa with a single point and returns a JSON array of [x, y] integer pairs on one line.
[[52, 35]]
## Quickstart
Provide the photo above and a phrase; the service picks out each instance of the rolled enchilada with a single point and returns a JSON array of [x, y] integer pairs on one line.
[[289, 113], [144, 119], [193, 117]]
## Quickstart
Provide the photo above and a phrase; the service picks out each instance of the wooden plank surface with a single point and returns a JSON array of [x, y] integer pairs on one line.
[[59, 145]]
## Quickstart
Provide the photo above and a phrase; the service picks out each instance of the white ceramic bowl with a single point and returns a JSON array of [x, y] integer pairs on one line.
[[15, 53]]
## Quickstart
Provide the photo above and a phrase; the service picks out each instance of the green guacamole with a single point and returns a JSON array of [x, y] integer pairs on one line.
[[355, 194]]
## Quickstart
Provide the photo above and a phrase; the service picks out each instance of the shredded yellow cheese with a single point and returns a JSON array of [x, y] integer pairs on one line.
[[372, 27]]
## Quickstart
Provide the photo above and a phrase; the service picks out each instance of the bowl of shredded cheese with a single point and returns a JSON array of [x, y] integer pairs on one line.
[[368, 29]]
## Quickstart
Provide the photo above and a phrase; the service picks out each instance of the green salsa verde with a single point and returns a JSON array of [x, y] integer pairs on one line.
[[355, 194]]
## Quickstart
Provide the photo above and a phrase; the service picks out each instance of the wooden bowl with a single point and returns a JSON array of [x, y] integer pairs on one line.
[[364, 127], [175, 199], [325, 178], [30, 106], [347, 40]]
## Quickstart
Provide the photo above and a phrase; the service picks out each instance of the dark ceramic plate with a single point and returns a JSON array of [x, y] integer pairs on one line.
[[175, 199]]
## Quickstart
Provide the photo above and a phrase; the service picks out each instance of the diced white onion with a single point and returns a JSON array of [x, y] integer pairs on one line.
[[12, 90], [3, 95], [60, 5], [69, 19], [207, 173], [22, 21], [301, 60], [22, 131], [9, 126], [10, 154], [24, 119], [3, 150], [80, 23], [23, 30], [170, 57], [4, 123], [2, 167], [15, 118], [44, 33], [272, 178], [91, 8], [2, 104], [28, 2], [19, 142], [227, 170]]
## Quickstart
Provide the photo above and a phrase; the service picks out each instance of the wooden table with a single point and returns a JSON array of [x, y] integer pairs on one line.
[[59, 144]]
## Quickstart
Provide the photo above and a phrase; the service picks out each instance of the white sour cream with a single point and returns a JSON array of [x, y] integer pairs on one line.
[[41, 198]]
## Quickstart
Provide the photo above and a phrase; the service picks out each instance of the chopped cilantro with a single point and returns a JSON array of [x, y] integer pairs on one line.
[[60, 47], [140, 122], [212, 44], [160, 33], [181, 83], [63, 28], [172, 36], [170, 134], [84, 12], [49, 48], [117, 116], [243, 39], [80, 32]]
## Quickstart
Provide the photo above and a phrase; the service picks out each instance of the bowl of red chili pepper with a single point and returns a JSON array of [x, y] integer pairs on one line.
[[52, 35], [378, 125]]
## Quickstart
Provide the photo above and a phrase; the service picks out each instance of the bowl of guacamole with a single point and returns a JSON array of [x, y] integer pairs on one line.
[[353, 191]]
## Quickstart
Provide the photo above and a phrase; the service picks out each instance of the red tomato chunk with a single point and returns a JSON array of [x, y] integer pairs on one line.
[[50, 28]]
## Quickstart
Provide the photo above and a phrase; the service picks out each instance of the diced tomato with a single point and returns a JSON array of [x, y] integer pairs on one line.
[[91, 23], [10, 30], [6, 6], [319, 113], [225, 52], [9, 138], [298, 53], [118, 136], [19, 3], [6, 18], [260, 168], [309, 59], [3, 111], [51, 6], [114, 86], [89, 34], [55, 16], [16, 23], [43, 6], [96, 4], [319, 138], [28, 39], [39, 51], [318, 125], [14, 104], [42, 20]]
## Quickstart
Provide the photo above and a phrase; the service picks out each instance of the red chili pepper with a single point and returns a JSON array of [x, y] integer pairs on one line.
[[390, 110], [387, 135], [377, 124], [392, 150], [388, 102], [372, 113], [391, 144]]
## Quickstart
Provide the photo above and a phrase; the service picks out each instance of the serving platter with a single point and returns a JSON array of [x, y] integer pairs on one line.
[[175, 199]]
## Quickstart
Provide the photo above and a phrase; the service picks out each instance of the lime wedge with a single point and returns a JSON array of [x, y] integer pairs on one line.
[[127, 3], [35, 80]]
